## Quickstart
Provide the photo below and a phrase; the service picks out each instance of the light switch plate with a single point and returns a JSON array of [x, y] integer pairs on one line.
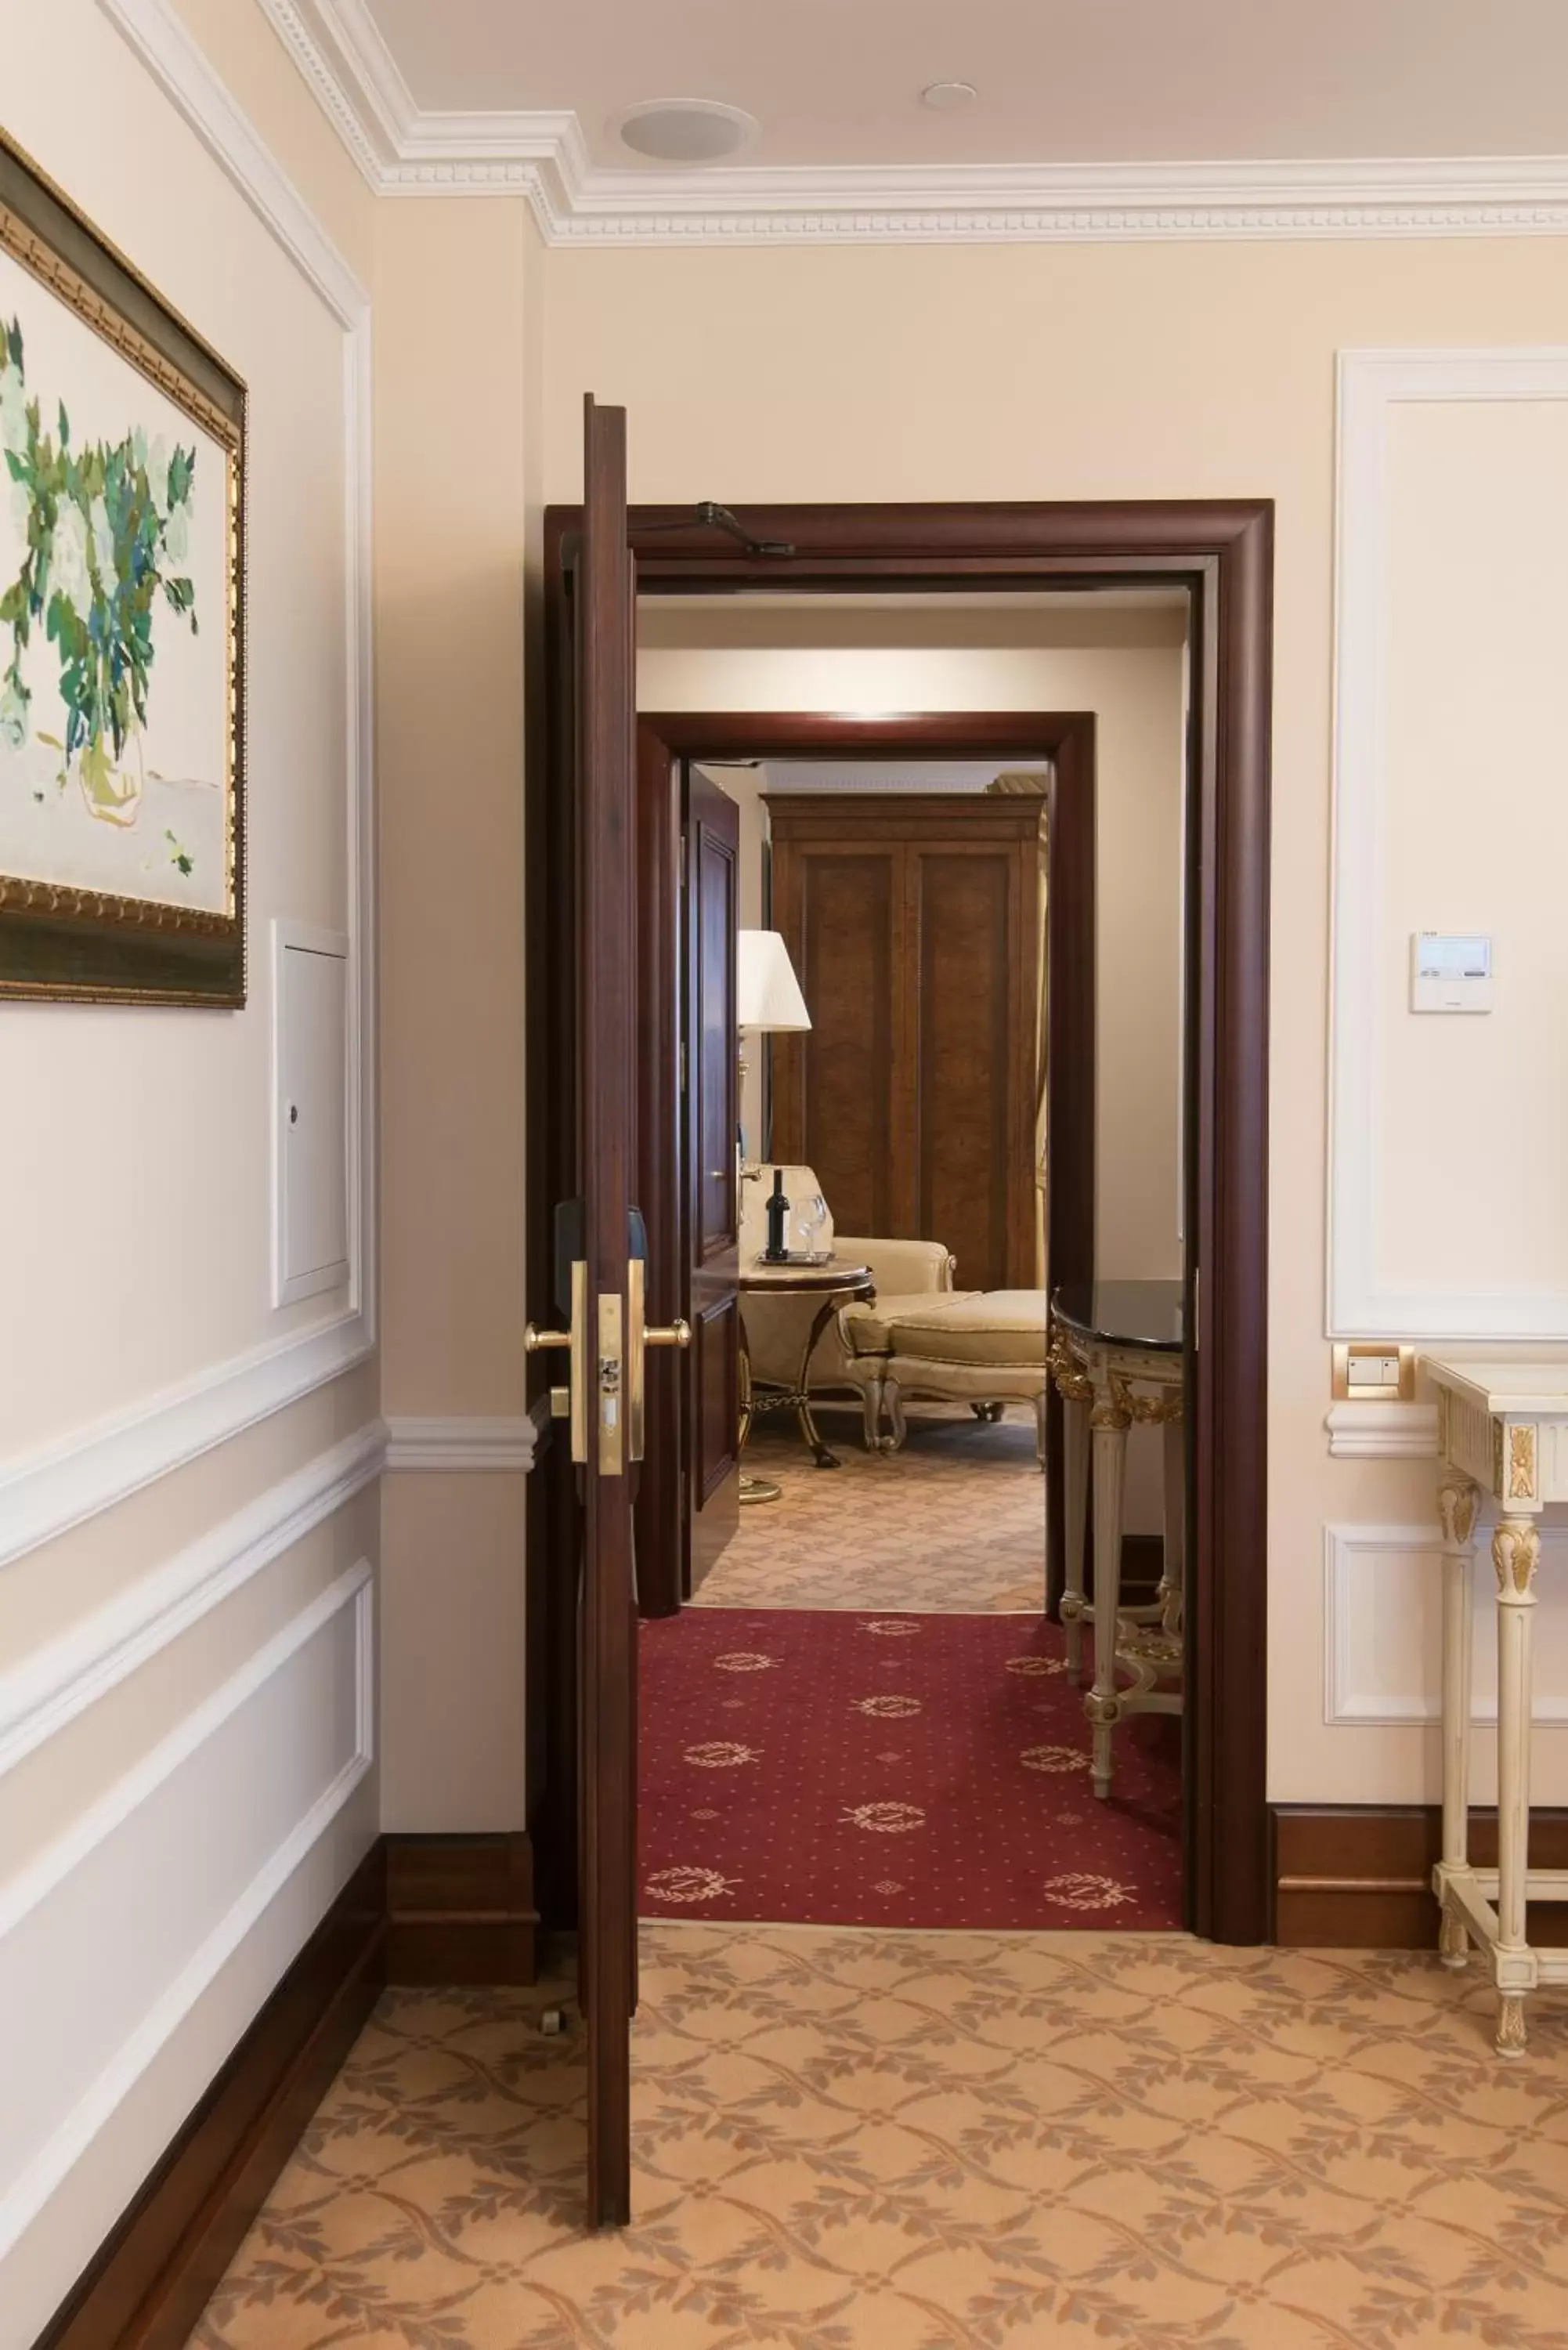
[[1374, 1370], [1450, 972]]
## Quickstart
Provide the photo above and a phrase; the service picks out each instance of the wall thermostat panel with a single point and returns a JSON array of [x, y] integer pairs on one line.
[[1450, 972]]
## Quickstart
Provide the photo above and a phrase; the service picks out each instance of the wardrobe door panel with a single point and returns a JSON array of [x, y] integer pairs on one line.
[[840, 1092], [962, 904]]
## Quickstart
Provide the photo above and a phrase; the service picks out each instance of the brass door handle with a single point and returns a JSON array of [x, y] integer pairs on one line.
[[638, 1338], [536, 1341]]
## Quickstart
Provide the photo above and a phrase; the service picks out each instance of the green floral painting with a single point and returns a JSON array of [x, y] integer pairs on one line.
[[105, 526], [115, 760]]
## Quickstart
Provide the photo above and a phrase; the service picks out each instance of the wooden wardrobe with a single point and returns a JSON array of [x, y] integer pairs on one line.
[[912, 919]]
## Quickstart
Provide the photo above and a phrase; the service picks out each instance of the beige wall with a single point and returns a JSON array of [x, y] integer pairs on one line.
[[186, 1717], [454, 309], [1075, 371]]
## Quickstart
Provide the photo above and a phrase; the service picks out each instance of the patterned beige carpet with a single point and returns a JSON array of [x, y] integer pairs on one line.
[[954, 1525], [855, 2141]]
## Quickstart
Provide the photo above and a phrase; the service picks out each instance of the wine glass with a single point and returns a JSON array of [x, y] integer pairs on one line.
[[813, 1221]]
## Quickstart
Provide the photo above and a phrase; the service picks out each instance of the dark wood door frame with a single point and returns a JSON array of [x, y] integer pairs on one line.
[[1221, 553], [665, 739]]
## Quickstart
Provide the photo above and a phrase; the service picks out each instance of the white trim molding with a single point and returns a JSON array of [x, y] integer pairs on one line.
[[453, 1443], [58, 1682], [1363, 1301], [1382, 1617], [542, 156], [1383, 1431]]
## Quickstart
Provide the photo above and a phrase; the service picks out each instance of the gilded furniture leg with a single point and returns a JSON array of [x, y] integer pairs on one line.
[[1515, 1549], [1457, 1499], [1108, 1423], [1074, 1517], [871, 1406], [893, 1397]]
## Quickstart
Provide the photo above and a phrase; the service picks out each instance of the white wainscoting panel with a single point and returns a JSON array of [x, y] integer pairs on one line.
[[55, 1684], [1377, 387], [110, 1937], [1383, 1624]]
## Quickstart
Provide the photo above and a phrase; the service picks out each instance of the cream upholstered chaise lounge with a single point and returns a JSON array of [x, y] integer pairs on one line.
[[907, 1273], [976, 1347]]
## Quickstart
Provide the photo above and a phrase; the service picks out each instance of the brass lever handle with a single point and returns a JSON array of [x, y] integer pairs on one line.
[[638, 1338]]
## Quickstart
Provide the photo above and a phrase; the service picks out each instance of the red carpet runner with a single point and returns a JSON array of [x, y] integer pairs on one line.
[[831, 1769]]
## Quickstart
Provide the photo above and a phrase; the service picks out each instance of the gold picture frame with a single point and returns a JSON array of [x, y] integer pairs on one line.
[[121, 624]]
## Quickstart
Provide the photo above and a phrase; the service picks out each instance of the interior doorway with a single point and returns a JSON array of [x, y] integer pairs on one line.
[[1221, 557]]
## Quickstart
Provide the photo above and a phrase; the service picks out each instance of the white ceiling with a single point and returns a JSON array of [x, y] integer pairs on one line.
[[837, 82]]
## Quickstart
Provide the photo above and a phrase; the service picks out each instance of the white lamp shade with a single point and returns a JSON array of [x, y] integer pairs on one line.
[[767, 992]]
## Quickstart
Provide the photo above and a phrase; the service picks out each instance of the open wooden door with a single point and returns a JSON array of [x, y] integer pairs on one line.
[[711, 833], [600, 1272]]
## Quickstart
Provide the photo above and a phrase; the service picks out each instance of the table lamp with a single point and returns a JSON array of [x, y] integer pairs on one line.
[[768, 1000]]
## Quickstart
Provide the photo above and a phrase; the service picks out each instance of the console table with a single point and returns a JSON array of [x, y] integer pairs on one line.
[[1108, 1340], [1502, 1431]]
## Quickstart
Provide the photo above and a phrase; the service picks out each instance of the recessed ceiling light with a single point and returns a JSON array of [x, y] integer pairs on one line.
[[944, 97], [686, 129]]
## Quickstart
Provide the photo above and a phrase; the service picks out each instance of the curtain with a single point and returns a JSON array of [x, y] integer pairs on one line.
[[1037, 784]]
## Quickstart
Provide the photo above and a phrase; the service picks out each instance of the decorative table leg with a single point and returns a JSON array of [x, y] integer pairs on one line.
[[810, 1433], [1456, 1503], [1173, 1574], [1075, 1519], [1515, 1549], [1109, 1422]]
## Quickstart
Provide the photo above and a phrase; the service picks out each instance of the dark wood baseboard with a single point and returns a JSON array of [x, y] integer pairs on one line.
[[1358, 1876], [460, 1909], [154, 2274], [418, 1909]]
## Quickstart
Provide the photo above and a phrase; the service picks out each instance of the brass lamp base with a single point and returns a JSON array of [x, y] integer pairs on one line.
[[759, 1489]]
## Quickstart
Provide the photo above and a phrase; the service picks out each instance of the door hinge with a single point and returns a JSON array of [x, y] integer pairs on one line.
[[683, 1065]]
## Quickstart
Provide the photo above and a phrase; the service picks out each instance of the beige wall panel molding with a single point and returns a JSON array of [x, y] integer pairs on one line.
[[259, 1780], [1383, 1629], [508, 1443], [1383, 1431], [51, 1687], [542, 155], [1450, 701]]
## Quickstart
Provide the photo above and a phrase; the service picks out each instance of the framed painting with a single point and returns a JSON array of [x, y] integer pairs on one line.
[[122, 449]]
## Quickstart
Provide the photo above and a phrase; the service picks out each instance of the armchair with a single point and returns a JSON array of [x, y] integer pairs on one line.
[[906, 1273]]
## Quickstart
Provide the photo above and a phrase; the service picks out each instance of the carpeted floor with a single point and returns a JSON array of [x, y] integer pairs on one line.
[[835, 1769], [938, 2142], [955, 1522]]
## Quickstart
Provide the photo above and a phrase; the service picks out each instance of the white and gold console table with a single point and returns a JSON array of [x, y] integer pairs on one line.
[[1109, 1339], [1502, 1433]]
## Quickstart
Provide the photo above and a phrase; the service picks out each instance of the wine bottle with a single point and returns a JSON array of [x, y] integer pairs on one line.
[[777, 1251]]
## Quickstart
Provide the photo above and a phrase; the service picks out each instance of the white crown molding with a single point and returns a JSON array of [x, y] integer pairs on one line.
[[543, 157], [454, 1443], [1383, 1431], [60, 1681]]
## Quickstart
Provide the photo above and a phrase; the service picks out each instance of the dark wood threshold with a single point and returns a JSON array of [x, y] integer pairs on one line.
[[1357, 1876], [418, 1909]]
